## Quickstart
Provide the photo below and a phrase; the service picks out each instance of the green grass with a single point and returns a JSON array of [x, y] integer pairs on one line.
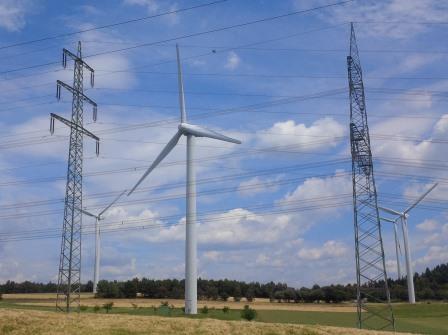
[[420, 318]]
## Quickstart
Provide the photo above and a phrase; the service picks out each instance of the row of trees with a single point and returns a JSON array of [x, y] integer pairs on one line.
[[431, 284]]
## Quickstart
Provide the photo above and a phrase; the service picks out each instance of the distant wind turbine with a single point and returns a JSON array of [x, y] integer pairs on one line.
[[397, 243], [403, 216], [191, 132], [98, 218]]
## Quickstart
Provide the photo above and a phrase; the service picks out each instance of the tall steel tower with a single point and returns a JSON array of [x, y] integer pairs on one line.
[[69, 279], [370, 264]]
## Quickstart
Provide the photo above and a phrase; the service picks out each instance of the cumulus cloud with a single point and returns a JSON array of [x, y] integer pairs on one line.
[[233, 61], [428, 225], [330, 249], [151, 5], [328, 189], [12, 14], [322, 133], [257, 185], [385, 13], [154, 6]]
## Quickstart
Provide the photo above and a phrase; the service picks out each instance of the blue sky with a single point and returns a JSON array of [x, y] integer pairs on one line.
[[278, 207]]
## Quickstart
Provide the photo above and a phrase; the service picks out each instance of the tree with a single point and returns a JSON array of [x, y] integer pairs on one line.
[[248, 313], [108, 306], [129, 289], [106, 289]]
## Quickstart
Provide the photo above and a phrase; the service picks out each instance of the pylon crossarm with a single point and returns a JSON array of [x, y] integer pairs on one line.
[[84, 97], [72, 125], [66, 53]]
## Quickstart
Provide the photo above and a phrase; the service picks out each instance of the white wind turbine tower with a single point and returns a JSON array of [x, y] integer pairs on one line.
[[191, 132], [397, 243], [98, 218], [403, 216]]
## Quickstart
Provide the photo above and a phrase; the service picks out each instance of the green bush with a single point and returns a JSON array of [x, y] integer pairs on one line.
[[226, 309], [248, 313], [108, 306], [204, 310], [83, 308]]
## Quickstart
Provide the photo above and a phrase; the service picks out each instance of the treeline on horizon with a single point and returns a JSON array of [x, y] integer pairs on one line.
[[429, 285]]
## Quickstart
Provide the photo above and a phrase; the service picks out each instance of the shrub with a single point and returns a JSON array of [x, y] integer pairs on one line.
[[108, 306], [248, 313], [83, 308], [204, 310], [226, 309], [96, 308]]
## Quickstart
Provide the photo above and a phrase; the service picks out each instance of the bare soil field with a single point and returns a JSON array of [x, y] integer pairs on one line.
[[47, 299], [21, 322]]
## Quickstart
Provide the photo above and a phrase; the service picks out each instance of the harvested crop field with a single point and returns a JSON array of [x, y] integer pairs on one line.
[[48, 299], [21, 322]]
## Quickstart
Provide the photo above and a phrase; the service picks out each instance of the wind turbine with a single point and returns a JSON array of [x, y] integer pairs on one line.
[[98, 218], [397, 243], [191, 132], [403, 217]]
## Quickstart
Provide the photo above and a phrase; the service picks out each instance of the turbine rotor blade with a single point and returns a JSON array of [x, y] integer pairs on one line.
[[183, 114], [170, 145], [390, 211], [423, 196], [387, 219], [111, 204], [204, 132], [88, 213]]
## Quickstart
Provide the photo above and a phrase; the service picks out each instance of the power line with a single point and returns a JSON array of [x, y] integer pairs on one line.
[[176, 11], [181, 37]]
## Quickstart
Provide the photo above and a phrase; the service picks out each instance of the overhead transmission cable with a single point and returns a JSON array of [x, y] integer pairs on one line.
[[111, 25], [201, 33]]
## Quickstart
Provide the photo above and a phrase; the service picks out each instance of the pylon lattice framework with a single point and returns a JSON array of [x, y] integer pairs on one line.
[[371, 274], [69, 278]]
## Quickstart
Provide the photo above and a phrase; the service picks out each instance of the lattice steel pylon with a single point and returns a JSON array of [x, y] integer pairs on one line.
[[372, 286], [69, 278]]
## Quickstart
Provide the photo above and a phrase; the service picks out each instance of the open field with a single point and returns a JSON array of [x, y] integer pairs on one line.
[[44, 299], [420, 318], [20, 322]]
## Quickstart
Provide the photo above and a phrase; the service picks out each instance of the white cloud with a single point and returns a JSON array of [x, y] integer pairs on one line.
[[434, 255], [257, 185], [441, 126], [322, 133], [155, 6], [151, 5], [233, 61], [428, 225], [330, 249], [12, 14], [389, 11], [326, 189]]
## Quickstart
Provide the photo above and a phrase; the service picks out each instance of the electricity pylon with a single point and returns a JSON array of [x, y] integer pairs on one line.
[[69, 278], [371, 274]]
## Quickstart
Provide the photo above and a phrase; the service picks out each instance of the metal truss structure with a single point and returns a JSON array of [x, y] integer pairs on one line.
[[69, 278], [372, 286]]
